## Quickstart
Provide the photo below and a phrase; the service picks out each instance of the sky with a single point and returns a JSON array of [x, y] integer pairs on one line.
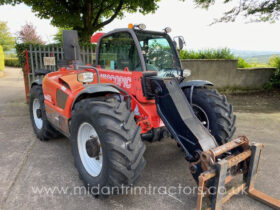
[[183, 18]]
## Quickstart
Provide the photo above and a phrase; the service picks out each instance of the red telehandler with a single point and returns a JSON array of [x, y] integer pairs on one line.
[[137, 90]]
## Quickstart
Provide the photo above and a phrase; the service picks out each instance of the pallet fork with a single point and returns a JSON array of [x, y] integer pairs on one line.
[[211, 165], [219, 172]]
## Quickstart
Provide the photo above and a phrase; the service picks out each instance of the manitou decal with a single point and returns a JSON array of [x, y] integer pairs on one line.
[[119, 80]]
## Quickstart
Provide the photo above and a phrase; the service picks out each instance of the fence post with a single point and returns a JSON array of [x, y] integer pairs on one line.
[[25, 71]]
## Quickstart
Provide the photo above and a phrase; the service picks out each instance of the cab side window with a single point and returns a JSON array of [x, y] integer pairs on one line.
[[119, 51]]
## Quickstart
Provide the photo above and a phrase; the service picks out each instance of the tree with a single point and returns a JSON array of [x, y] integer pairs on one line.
[[7, 41], [256, 10], [58, 36], [85, 16], [28, 34]]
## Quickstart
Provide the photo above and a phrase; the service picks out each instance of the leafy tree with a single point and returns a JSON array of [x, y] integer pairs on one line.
[[6, 39], [28, 34], [256, 10], [58, 36], [274, 61], [85, 16]]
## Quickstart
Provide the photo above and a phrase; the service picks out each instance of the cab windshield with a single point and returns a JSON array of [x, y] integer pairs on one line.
[[158, 53]]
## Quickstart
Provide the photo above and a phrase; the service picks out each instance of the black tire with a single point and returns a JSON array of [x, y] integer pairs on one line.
[[45, 132], [221, 120], [122, 148]]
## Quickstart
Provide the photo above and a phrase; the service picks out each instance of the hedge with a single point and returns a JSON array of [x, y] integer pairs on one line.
[[274, 81], [13, 62], [2, 64], [224, 53]]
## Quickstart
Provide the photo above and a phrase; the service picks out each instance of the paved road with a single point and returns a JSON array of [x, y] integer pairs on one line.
[[28, 167]]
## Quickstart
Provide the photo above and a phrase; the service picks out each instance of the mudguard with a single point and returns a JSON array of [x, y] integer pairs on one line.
[[96, 88], [36, 82], [195, 83]]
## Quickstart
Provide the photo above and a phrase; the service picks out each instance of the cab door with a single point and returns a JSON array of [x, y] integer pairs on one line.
[[118, 59]]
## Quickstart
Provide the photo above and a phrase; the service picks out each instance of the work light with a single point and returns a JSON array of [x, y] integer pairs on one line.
[[141, 26], [85, 77], [167, 30]]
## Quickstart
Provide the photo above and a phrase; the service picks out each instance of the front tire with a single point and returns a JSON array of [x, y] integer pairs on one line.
[[215, 113], [41, 126], [117, 149]]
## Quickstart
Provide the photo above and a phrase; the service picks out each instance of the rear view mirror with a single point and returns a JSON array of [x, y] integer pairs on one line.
[[180, 42], [71, 46], [175, 43]]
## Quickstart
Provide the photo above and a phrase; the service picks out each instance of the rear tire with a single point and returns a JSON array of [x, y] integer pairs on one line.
[[119, 145], [41, 126], [214, 111]]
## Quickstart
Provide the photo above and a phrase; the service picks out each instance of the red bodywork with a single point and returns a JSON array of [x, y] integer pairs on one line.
[[66, 81], [96, 37]]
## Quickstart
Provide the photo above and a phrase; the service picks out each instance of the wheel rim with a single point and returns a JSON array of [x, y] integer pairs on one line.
[[90, 149], [201, 115], [36, 114]]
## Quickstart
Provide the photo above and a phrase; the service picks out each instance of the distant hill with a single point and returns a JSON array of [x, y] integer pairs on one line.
[[255, 56], [251, 53], [260, 58]]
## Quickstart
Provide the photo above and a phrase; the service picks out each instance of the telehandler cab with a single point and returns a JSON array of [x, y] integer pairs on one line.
[[138, 90]]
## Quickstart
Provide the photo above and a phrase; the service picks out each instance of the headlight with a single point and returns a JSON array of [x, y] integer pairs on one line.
[[85, 77]]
